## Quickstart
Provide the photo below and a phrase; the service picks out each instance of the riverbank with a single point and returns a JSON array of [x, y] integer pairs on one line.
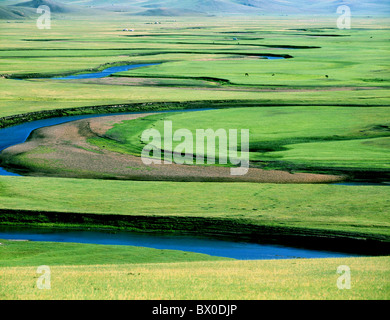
[[191, 243], [16, 119], [225, 229], [302, 214], [64, 151], [367, 175], [196, 52], [318, 206], [117, 108]]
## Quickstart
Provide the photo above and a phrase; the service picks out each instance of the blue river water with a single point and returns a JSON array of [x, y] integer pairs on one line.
[[238, 250], [230, 249], [112, 70], [106, 72], [274, 58], [209, 246], [17, 134]]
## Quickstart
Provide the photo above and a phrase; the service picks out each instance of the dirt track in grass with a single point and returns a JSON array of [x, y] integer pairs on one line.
[[63, 151]]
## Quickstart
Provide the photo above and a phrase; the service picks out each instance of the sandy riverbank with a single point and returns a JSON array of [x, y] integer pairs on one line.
[[63, 151]]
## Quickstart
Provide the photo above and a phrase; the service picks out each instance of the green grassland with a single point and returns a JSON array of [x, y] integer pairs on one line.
[[188, 53], [334, 208], [213, 280], [308, 117], [22, 254], [59, 95], [299, 136], [356, 57], [343, 61]]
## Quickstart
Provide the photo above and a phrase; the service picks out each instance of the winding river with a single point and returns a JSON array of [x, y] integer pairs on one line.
[[106, 72], [223, 248], [112, 70], [17, 134], [204, 245], [238, 250]]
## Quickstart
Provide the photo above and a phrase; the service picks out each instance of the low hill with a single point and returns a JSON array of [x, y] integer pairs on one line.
[[54, 6], [207, 7], [204, 6], [165, 12], [306, 7], [9, 13]]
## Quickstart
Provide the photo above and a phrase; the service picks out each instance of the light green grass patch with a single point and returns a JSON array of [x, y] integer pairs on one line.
[[358, 209], [348, 137], [213, 280], [18, 254]]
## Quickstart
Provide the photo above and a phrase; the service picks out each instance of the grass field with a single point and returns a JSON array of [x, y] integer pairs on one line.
[[323, 107], [299, 136], [21, 254], [362, 209], [212, 280], [76, 47]]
